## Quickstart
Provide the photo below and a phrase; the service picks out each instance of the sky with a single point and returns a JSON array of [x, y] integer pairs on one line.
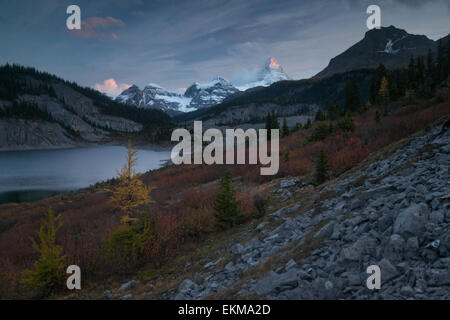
[[175, 43]]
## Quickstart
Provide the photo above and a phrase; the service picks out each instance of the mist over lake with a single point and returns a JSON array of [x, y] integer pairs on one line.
[[33, 174]]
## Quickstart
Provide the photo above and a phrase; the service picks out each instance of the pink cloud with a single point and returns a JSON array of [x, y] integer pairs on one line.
[[111, 87], [99, 28]]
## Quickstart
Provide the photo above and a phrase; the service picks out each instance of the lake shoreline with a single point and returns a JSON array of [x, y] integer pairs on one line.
[[141, 146], [29, 175]]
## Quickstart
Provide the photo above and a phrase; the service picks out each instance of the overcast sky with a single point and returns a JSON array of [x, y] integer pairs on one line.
[[174, 43]]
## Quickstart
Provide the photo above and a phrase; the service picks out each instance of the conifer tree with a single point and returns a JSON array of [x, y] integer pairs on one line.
[[226, 205], [285, 130], [383, 94], [352, 95], [412, 74], [131, 192], [430, 67], [271, 123], [322, 167], [440, 72], [334, 112], [308, 124], [420, 71], [48, 271], [377, 117]]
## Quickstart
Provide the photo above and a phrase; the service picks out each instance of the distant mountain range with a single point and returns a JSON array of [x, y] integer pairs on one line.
[[198, 95], [389, 46]]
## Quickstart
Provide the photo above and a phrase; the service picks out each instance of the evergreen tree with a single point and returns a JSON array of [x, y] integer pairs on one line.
[[383, 94], [320, 132], [377, 117], [346, 124], [48, 272], [430, 67], [286, 156], [285, 130], [420, 71], [447, 71], [334, 112], [412, 74], [322, 167], [352, 95], [226, 205], [308, 124], [320, 116], [440, 72], [275, 124], [374, 90], [271, 123]]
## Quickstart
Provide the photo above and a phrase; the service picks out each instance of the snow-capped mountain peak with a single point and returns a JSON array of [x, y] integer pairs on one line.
[[273, 64], [271, 72], [210, 93]]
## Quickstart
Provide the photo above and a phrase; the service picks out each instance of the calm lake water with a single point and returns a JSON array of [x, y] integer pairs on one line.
[[31, 175]]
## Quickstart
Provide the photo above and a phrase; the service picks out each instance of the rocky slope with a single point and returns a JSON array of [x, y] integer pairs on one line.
[[29, 134], [394, 214], [392, 211]]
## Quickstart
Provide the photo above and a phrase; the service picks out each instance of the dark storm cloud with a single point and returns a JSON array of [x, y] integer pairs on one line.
[[174, 43]]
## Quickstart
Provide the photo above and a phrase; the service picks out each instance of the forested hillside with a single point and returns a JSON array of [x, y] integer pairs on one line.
[[26, 93]]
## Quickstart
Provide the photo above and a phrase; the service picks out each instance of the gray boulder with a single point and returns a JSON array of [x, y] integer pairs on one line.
[[411, 221]]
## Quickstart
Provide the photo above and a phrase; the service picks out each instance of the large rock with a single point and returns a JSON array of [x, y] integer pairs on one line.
[[388, 271], [187, 290], [411, 221], [128, 285], [395, 249]]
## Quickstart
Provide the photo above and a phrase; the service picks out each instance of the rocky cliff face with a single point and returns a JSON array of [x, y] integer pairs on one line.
[[32, 134], [394, 214]]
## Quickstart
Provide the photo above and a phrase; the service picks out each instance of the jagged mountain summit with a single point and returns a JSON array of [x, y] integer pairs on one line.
[[389, 46], [271, 72], [211, 93], [197, 96], [155, 97]]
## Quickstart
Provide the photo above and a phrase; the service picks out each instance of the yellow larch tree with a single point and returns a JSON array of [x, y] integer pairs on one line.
[[131, 192]]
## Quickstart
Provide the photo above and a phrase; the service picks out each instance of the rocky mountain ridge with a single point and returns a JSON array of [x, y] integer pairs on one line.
[[389, 46]]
